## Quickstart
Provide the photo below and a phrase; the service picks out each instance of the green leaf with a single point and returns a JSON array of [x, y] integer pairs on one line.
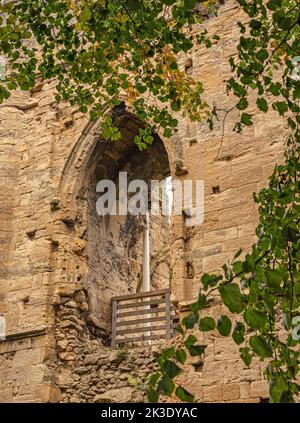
[[116, 136], [274, 279], [181, 356], [246, 119], [274, 4], [246, 356], [237, 254], [168, 2], [149, 139], [166, 386], [191, 340], [106, 133], [278, 388], [174, 65], [262, 55], [206, 324], [238, 333], [180, 330], [224, 326], [262, 104], [153, 379], [171, 369], [232, 297], [255, 24], [249, 263], [168, 353], [201, 301], [168, 132], [141, 88], [255, 318], [243, 104], [285, 23], [184, 395], [153, 395], [238, 267], [281, 107], [190, 4], [196, 350], [210, 280], [190, 321], [260, 346]]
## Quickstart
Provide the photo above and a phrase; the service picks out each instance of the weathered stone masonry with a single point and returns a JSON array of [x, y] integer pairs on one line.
[[57, 275]]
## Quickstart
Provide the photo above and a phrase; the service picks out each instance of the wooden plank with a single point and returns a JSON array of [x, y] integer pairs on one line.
[[138, 339], [144, 329], [140, 304], [139, 321], [157, 293], [138, 312], [168, 315], [114, 324]]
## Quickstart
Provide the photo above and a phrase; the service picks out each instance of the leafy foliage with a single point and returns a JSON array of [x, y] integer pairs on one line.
[[100, 51]]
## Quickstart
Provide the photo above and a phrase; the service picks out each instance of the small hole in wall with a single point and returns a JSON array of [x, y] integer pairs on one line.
[[192, 141], [264, 400], [198, 367], [77, 267], [54, 245], [78, 278], [25, 300], [188, 66], [54, 205], [216, 189], [190, 272], [68, 222], [31, 235]]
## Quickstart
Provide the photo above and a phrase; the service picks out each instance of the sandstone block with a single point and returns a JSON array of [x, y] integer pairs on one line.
[[259, 389], [231, 391], [213, 393], [115, 396], [244, 390]]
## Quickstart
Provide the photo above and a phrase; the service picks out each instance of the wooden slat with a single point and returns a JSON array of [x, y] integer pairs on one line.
[[139, 321], [147, 328], [166, 320], [140, 304], [144, 329], [138, 312], [168, 315], [138, 339], [114, 324], [157, 293]]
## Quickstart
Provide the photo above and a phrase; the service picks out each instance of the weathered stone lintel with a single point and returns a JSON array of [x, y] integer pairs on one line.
[[26, 334]]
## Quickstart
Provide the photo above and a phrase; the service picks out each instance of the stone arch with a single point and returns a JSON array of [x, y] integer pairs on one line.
[[80, 263]]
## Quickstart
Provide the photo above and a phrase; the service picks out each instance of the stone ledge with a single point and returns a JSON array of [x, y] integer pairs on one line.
[[26, 334]]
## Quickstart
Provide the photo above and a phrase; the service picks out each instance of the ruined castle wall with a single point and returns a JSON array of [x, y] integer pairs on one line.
[[45, 150]]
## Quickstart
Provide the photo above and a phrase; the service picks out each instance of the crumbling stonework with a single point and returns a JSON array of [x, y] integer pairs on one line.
[[56, 275]]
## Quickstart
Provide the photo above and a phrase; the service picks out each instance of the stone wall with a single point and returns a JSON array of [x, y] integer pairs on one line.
[[46, 153], [88, 371]]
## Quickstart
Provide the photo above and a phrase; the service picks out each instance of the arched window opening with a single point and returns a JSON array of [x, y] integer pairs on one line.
[[116, 242]]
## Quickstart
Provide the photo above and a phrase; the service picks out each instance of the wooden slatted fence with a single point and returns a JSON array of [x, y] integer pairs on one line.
[[145, 316]]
